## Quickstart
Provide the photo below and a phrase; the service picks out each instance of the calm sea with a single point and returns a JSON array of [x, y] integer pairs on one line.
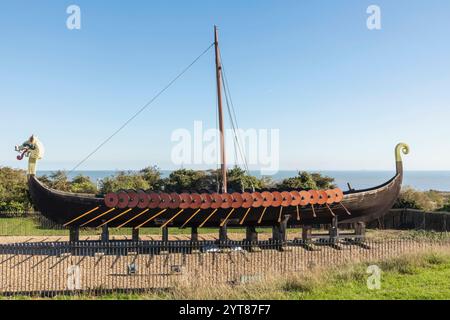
[[421, 180]]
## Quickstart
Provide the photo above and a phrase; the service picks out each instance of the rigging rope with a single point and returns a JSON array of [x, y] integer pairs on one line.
[[232, 115], [142, 108], [233, 120]]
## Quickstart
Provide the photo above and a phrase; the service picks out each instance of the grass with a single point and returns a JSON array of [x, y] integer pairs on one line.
[[404, 278], [33, 226], [408, 277]]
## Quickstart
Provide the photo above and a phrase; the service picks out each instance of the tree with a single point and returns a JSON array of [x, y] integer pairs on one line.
[[303, 181], [410, 198], [308, 181], [59, 181], [437, 199], [208, 181], [323, 182], [82, 184], [13, 191], [124, 180], [153, 177], [445, 207], [185, 179], [239, 180]]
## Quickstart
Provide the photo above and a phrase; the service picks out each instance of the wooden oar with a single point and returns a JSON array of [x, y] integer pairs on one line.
[[114, 218], [150, 219], [332, 213], [226, 219], [190, 218], [245, 216], [171, 219], [81, 216], [203, 223], [99, 216], [262, 215], [136, 216]]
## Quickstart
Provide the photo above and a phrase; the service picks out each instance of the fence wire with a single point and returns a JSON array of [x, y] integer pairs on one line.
[[51, 268]]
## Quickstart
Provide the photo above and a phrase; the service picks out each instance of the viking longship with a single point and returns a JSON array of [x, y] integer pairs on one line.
[[255, 208]]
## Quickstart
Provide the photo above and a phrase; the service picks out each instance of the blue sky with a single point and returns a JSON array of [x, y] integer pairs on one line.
[[341, 95]]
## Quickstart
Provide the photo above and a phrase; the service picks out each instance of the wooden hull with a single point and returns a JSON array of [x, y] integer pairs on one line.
[[363, 206]]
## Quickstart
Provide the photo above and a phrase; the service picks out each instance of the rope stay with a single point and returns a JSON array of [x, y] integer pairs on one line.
[[142, 108], [233, 120]]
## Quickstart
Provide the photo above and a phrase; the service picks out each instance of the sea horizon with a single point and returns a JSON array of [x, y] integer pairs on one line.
[[423, 180]]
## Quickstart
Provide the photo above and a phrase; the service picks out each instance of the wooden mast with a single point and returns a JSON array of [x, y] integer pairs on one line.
[[223, 163]]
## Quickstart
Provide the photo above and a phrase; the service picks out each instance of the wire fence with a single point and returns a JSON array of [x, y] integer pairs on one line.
[[34, 226], [49, 268]]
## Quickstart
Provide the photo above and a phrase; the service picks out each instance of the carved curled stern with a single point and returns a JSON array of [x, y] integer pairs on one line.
[[400, 148]]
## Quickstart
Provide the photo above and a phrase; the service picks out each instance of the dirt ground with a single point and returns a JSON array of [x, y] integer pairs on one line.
[[237, 236]]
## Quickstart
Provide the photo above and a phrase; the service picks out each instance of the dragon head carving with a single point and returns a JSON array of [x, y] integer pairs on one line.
[[33, 149]]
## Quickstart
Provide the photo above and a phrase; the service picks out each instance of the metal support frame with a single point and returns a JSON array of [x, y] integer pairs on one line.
[[135, 235], [279, 231], [307, 233], [165, 234], [105, 233], [74, 234], [194, 234], [250, 234], [333, 231], [360, 231], [223, 233]]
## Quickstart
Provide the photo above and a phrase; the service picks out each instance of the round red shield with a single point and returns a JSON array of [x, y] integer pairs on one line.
[[143, 199], [286, 199], [339, 195], [227, 200], [196, 201], [216, 202], [134, 199], [111, 200], [237, 200], [123, 199], [175, 200], [331, 196], [267, 198], [314, 196], [185, 200], [295, 198], [257, 199], [247, 200], [277, 199], [323, 197], [165, 200], [155, 199], [206, 201], [305, 197]]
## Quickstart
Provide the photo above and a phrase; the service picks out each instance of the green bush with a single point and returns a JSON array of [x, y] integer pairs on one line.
[[306, 181], [13, 191], [239, 180], [82, 184], [445, 207], [153, 177], [59, 181], [410, 198], [124, 180]]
